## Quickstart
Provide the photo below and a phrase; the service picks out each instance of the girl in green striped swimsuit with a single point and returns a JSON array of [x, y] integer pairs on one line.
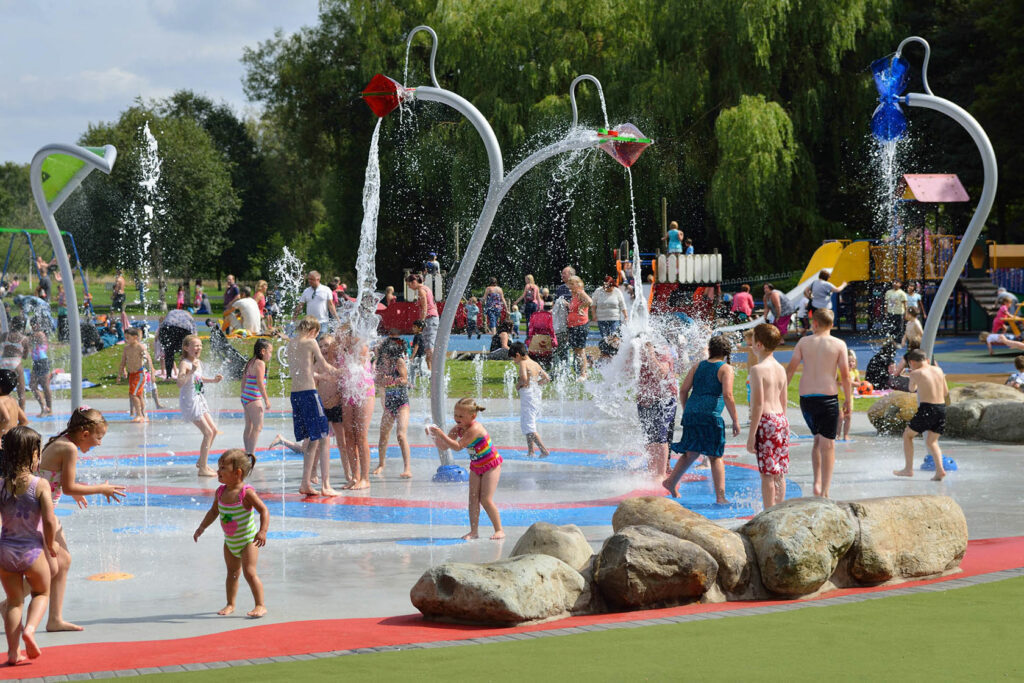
[[236, 503]]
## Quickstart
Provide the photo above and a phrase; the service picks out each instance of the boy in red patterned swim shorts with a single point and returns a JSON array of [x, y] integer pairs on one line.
[[769, 427]]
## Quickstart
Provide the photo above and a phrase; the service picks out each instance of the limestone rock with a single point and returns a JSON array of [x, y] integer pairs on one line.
[[798, 543], [1003, 421], [640, 566], [567, 543], [890, 414], [962, 419], [906, 536], [983, 390], [522, 589], [733, 556]]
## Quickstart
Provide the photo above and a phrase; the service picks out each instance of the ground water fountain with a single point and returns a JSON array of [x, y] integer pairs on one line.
[[383, 95]]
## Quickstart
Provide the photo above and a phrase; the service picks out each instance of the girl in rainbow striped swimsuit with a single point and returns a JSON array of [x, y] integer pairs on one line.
[[254, 393], [484, 463], [236, 504]]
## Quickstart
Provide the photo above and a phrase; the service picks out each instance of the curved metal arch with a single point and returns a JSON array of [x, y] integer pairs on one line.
[[572, 96], [433, 49]]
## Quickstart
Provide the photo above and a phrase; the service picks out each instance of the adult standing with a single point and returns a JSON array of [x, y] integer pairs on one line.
[[494, 303], [820, 292], [563, 291], [914, 300], [674, 241], [230, 292], [609, 307], [531, 300], [578, 322], [895, 309], [743, 302], [174, 327], [318, 300], [427, 313], [778, 308]]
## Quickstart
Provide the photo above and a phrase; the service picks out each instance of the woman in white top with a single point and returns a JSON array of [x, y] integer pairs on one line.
[[610, 307]]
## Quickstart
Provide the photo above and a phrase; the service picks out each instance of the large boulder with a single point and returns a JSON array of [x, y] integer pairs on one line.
[[524, 589], [640, 566], [1003, 421], [799, 542], [985, 390], [734, 557], [963, 419], [567, 543], [891, 413], [906, 537]]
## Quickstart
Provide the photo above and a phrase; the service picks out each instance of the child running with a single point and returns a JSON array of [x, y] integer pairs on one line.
[[191, 402], [705, 391], [769, 429], [236, 503], [26, 542], [531, 378], [57, 464], [135, 361], [930, 384], [484, 466], [254, 393], [393, 373]]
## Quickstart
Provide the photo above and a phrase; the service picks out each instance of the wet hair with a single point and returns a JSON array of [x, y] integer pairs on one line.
[[17, 448], [504, 326], [719, 346], [1018, 363], [82, 420], [17, 324], [258, 347], [913, 344], [393, 347], [186, 342], [237, 459], [133, 332], [915, 354], [414, 277], [469, 405], [824, 275], [308, 324], [517, 349], [823, 317], [8, 381], [768, 336]]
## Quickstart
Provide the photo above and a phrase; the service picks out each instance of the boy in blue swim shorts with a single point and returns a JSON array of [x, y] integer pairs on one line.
[[308, 417]]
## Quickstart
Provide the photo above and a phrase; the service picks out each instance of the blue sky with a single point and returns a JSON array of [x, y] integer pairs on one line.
[[67, 63]]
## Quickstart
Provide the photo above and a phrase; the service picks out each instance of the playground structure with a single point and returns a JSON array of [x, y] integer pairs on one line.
[[25, 252]]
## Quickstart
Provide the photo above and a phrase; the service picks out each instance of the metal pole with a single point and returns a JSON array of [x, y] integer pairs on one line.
[[988, 194]]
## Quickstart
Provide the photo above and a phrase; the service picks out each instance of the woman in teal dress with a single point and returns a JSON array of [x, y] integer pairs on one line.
[[705, 391]]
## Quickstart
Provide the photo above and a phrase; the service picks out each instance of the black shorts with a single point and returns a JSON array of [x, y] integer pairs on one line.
[[821, 413], [578, 337], [930, 417], [333, 414], [657, 420], [117, 302]]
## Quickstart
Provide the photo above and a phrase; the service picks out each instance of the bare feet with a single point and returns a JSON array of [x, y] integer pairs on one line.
[[349, 485], [31, 648], [721, 501], [360, 485], [498, 535], [325, 491], [406, 475], [544, 452], [378, 469], [138, 419], [278, 441], [205, 472], [309, 492], [529, 453], [257, 612], [471, 536], [55, 626], [903, 473], [939, 476], [17, 660], [672, 490], [314, 479], [228, 609]]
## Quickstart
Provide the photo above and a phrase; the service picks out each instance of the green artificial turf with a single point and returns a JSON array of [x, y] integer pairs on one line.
[[955, 635]]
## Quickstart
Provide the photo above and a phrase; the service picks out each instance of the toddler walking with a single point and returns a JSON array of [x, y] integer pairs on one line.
[[236, 503], [484, 466]]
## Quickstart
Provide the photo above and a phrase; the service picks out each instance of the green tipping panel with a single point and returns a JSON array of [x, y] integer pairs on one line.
[[59, 169]]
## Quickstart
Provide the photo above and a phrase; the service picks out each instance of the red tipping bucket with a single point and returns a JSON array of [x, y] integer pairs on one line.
[[625, 143], [383, 95]]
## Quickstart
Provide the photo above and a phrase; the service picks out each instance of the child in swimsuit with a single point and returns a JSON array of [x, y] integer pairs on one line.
[[359, 390], [28, 530], [57, 464], [254, 393], [484, 463], [191, 401], [393, 373], [39, 380], [236, 503]]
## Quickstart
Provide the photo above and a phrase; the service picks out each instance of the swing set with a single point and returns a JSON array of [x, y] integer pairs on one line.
[[24, 252]]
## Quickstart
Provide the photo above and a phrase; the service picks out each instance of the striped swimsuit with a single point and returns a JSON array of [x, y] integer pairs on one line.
[[239, 524], [483, 457], [251, 390]]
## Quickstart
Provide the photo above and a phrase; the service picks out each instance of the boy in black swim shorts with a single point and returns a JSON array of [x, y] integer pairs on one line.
[[930, 384]]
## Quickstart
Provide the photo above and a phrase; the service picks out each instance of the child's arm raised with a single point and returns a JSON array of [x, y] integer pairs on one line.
[[252, 500], [211, 516]]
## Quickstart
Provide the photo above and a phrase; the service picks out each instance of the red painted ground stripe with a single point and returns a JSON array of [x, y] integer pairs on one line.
[[304, 637]]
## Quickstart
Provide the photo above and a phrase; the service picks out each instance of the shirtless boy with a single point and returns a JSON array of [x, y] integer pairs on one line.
[[930, 383], [531, 378], [328, 385], [822, 356], [135, 360], [308, 418], [11, 414], [768, 438]]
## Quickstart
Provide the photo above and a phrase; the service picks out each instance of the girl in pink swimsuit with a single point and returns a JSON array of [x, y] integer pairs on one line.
[[57, 463], [358, 390], [29, 526]]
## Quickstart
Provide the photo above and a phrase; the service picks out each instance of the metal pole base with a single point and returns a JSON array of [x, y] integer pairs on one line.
[[450, 474]]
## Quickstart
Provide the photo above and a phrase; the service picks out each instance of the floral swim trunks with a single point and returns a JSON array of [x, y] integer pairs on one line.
[[772, 444]]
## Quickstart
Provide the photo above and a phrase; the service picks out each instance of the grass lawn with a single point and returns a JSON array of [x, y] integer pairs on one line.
[[960, 634]]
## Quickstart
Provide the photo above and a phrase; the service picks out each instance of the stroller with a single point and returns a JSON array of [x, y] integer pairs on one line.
[[541, 340], [231, 361]]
